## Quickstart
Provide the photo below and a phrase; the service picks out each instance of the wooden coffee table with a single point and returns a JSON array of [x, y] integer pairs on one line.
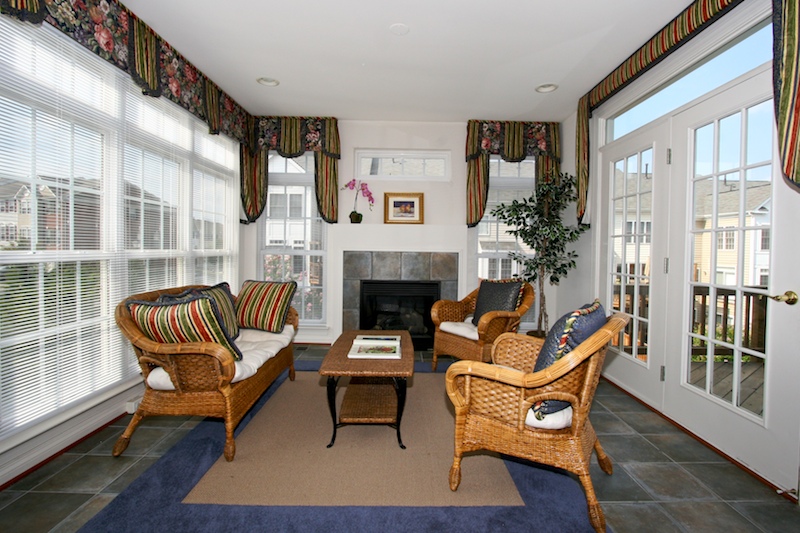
[[376, 393]]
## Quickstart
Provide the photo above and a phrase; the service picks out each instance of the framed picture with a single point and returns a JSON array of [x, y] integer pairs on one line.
[[403, 208]]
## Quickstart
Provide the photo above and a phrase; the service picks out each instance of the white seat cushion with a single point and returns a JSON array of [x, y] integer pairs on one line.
[[257, 347], [468, 330], [558, 420]]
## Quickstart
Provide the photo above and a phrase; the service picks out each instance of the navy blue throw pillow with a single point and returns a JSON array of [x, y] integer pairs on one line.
[[567, 333]]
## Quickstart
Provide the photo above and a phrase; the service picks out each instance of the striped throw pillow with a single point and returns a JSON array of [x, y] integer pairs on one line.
[[194, 319], [222, 296], [264, 304]]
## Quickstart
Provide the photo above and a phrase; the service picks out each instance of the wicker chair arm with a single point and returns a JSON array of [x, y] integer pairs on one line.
[[158, 354], [501, 375], [459, 369], [494, 323], [293, 318]]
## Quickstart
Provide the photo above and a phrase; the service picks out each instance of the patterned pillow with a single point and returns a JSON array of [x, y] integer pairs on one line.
[[496, 295], [264, 304], [193, 319], [221, 294], [567, 333]]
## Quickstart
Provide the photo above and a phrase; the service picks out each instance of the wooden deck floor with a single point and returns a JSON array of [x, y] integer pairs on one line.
[[751, 389]]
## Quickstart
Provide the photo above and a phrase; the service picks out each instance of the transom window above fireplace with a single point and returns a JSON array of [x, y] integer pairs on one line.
[[405, 165]]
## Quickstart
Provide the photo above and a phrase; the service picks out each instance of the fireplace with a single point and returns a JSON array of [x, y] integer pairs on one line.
[[358, 266], [400, 305]]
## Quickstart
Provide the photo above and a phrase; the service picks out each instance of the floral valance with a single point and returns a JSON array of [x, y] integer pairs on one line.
[[108, 29], [513, 141], [293, 136], [698, 16]]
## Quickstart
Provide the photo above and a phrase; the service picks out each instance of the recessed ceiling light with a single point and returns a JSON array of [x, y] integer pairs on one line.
[[399, 28], [546, 88], [269, 82]]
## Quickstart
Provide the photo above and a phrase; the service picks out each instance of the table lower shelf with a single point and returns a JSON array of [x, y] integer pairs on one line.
[[369, 401]]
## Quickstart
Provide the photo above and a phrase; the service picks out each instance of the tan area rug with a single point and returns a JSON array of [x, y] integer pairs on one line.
[[282, 459]]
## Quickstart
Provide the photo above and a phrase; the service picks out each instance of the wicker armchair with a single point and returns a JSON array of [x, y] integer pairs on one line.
[[492, 401], [201, 373], [490, 326]]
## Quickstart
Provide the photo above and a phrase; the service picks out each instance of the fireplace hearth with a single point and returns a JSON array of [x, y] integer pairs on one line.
[[400, 305]]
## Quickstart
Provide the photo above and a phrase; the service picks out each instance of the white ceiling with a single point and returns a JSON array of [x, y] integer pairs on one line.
[[460, 60]]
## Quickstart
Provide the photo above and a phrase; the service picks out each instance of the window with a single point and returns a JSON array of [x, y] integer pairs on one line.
[[109, 193], [294, 235], [429, 165], [507, 182], [764, 243], [499, 268], [726, 240]]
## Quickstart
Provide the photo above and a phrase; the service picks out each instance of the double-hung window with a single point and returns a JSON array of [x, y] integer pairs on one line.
[[507, 182], [294, 235], [109, 193]]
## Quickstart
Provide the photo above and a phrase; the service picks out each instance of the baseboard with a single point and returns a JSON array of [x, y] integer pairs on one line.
[[20, 459]]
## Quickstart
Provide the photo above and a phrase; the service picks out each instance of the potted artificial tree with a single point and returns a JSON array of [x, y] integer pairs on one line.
[[537, 222]]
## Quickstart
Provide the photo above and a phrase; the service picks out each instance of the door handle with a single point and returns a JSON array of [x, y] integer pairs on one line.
[[790, 297]]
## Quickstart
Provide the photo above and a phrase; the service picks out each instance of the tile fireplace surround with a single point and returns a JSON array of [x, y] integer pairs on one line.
[[392, 266]]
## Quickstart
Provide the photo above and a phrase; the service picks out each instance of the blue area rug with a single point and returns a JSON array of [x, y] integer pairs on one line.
[[554, 502]]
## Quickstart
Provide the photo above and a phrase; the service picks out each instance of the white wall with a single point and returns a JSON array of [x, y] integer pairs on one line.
[[580, 286]]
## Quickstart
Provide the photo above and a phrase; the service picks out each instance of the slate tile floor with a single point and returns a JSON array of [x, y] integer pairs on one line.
[[663, 481]]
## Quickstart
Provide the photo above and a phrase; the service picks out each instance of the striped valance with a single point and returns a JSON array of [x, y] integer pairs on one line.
[[785, 72], [513, 141], [117, 35], [144, 56], [689, 23], [698, 16]]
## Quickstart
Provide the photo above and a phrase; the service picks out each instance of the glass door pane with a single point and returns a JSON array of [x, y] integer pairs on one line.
[[729, 259], [632, 227]]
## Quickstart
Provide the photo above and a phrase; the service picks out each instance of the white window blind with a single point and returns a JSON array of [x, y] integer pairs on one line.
[[110, 193]]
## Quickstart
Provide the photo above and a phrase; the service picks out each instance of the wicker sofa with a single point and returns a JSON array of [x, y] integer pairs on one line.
[[198, 378]]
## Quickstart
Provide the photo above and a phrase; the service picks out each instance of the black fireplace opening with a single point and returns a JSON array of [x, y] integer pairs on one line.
[[400, 305]]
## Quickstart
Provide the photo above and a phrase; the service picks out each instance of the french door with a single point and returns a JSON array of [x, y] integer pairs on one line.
[[636, 185], [722, 242], [735, 384]]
